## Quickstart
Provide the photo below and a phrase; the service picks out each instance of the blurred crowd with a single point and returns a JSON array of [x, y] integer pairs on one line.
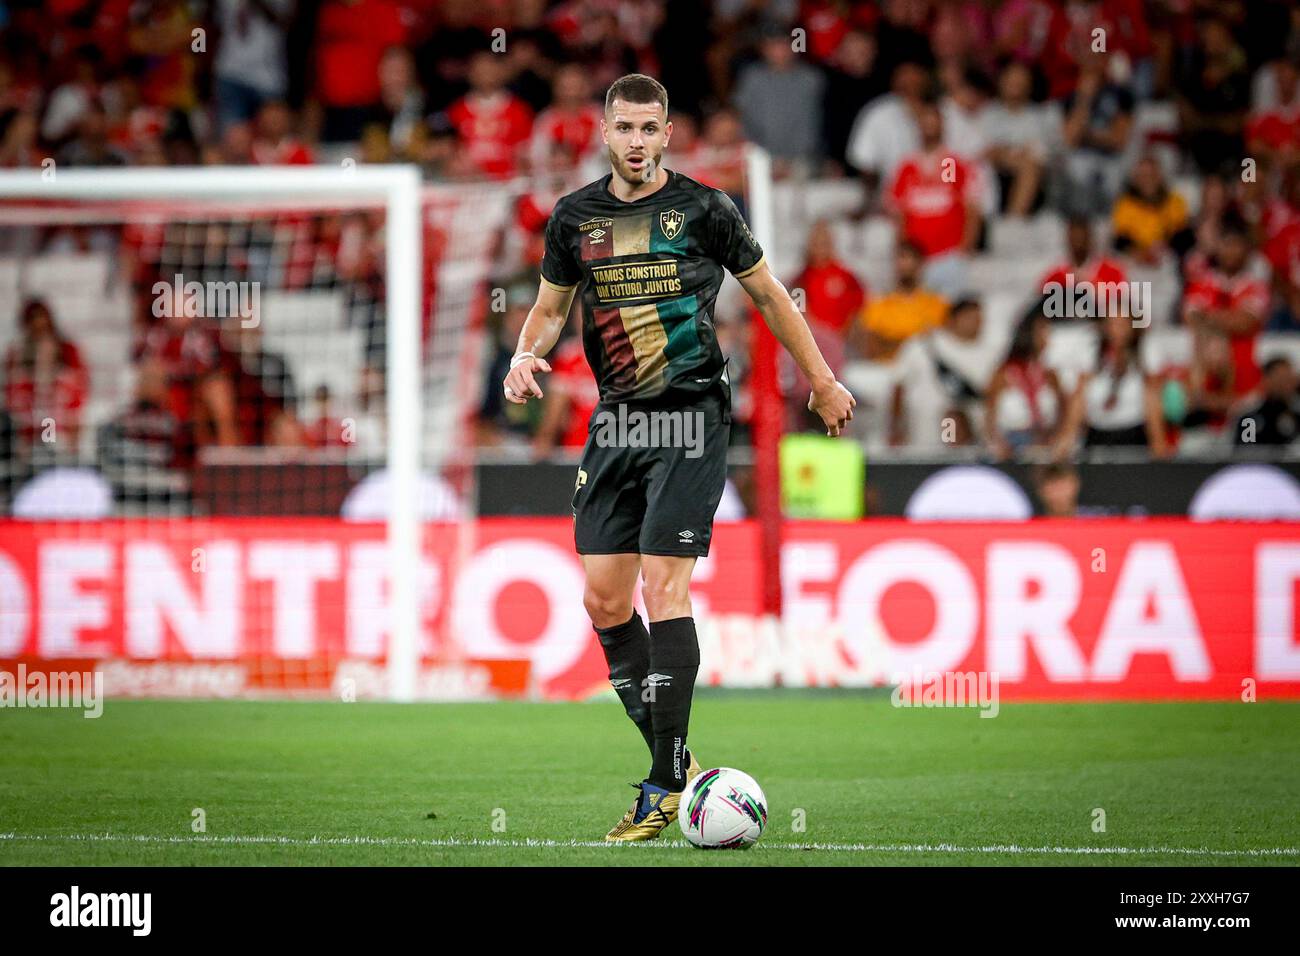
[[948, 116]]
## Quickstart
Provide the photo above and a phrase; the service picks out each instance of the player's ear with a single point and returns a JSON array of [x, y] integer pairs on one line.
[[604, 131], [668, 133]]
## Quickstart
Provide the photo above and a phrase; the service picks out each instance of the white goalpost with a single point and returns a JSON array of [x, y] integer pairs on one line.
[[397, 189]]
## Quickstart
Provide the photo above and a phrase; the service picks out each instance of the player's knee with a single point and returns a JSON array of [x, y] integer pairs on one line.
[[665, 597], [607, 610]]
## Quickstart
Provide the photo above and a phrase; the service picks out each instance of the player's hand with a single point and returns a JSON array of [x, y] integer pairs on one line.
[[521, 381], [834, 404]]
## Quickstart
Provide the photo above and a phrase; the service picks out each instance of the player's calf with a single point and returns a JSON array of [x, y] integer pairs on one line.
[[627, 653], [674, 663]]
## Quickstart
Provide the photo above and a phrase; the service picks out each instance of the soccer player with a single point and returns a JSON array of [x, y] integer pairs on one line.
[[647, 247]]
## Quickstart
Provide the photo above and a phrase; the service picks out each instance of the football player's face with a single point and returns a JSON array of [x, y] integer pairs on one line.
[[636, 134]]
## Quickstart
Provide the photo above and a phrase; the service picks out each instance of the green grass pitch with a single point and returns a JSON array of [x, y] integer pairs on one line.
[[533, 783]]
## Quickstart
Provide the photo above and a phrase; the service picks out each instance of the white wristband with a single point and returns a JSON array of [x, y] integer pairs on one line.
[[520, 357]]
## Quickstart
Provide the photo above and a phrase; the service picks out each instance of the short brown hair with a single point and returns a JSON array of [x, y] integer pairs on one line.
[[637, 88]]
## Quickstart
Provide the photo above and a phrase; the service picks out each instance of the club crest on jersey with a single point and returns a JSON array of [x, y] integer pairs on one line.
[[670, 221]]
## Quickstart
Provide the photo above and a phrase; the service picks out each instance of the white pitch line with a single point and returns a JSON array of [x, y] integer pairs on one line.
[[1003, 849]]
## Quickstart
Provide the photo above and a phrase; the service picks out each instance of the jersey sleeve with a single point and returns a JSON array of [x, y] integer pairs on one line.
[[559, 271], [732, 244]]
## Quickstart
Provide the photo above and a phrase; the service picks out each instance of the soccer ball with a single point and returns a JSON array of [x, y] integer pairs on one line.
[[723, 809]]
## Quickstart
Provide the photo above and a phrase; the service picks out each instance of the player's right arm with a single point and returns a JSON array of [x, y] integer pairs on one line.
[[560, 279], [541, 330], [830, 400], [736, 250]]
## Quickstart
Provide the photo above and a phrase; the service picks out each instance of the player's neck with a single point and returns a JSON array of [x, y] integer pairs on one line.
[[631, 192]]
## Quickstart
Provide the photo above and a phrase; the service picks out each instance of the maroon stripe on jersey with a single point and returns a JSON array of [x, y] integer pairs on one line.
[[620, 357], [597, 246]]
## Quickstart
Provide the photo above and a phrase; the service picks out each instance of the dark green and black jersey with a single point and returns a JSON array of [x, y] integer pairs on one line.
[[650, 271]]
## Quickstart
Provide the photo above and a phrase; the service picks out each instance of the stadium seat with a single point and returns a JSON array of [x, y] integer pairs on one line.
[[1273, 344], [1040, 236]]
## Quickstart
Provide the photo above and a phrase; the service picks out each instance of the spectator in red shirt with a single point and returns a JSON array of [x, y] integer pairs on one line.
[[1035, 32], [532, 211], [1228, 296], [572, 398], [326, 428], [833, 296], [351, 37], [934, 194], [45, 381], [1082, 260], [273, 142], [1273, 134], [567, 133], [184, 349], [493, 124], [936, 198], [1279, 230]]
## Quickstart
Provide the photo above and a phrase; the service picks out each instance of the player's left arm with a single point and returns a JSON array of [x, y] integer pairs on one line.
[[829, 399]]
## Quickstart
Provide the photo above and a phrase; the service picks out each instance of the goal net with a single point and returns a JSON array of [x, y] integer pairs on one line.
[[204, 371]]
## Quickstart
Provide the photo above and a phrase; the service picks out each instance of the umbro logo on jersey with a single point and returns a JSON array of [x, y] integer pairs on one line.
[[597, 235], [670, 221], [658, 680]]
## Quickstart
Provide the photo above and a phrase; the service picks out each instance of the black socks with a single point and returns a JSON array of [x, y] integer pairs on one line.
[[674, 662], [627, 652]]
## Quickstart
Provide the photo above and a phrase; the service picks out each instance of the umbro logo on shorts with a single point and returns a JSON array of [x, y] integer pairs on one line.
[[659, 680], [684, 537], [618, 683]]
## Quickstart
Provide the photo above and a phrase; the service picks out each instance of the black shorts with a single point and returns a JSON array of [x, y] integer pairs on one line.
[[652, 492]]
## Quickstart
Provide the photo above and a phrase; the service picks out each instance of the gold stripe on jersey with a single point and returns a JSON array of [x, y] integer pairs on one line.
[[648, 339], [632, 235]]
